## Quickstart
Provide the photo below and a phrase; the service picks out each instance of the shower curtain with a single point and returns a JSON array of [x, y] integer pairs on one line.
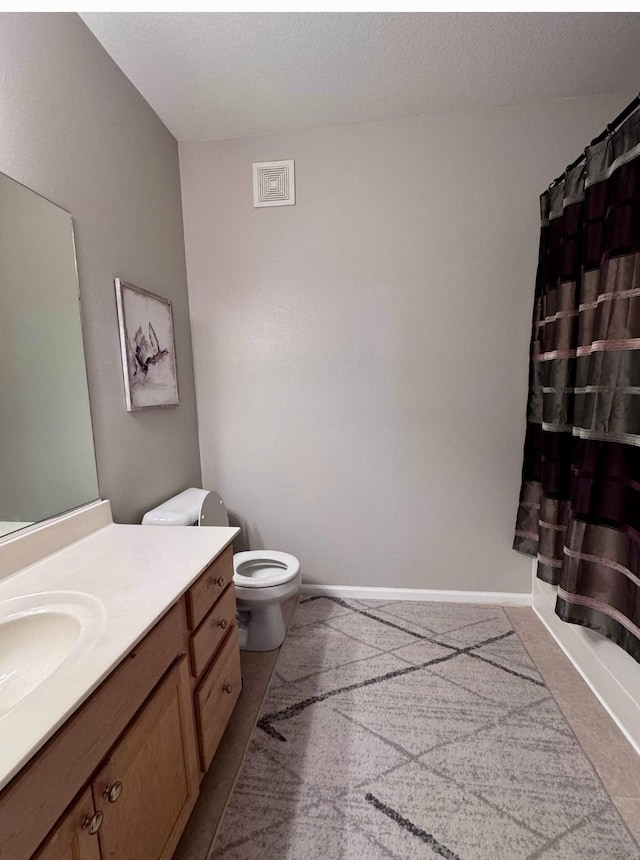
[[579, 510]]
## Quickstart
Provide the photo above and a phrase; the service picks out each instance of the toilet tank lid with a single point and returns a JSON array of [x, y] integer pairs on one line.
[[181, 510]]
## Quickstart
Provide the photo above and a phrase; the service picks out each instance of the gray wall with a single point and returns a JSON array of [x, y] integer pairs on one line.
[[73, 128], [361, 358]]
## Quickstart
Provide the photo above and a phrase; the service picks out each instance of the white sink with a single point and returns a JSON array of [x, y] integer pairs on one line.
[[41, 635]]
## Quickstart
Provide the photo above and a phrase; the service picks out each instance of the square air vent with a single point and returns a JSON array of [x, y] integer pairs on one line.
[[274, 183]]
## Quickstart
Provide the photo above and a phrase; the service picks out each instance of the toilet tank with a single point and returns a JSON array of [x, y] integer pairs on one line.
[[193, 507]]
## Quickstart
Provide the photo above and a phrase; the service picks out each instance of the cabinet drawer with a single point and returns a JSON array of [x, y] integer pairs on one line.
[[208, 588], [208, 637], [216, 696]]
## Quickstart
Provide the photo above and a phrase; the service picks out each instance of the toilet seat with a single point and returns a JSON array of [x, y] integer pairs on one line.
[[264, 568]]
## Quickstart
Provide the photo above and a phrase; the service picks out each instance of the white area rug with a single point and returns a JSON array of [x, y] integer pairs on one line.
[[414, 730]]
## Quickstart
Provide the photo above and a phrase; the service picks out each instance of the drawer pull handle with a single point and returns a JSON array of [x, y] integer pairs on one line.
[[92, 823], [223, 623], [227, 688], [220, 581], [113, 792]]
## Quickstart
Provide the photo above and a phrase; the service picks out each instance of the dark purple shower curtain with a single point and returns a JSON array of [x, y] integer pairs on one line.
[[579, 509]]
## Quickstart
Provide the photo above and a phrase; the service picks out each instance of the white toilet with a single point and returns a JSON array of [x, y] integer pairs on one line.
[[263, 579]]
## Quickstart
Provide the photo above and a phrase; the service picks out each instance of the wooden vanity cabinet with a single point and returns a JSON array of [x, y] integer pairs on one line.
[[208, 587], [40, 793], [74, 837], [149, 784], [210, 635], [119, 780], [216, 697], [214, 651], [139, 801]]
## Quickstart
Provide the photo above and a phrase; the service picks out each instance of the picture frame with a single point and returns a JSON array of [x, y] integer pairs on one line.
[[147, 344]]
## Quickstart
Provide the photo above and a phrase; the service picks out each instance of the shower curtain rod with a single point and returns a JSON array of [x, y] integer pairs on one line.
[[609, 130]]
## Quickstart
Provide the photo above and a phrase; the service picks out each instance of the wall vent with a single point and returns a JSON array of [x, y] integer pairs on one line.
[[274, 183]]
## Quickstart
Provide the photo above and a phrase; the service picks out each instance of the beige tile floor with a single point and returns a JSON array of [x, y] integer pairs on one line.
[[612, 756]]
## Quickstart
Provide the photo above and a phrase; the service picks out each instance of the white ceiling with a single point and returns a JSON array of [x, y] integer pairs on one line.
[[216, 75]]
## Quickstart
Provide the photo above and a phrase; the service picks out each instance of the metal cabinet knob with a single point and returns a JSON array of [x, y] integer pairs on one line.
[[113, 792], [92, 823], [227, 688], [223, 623], [220, 581]]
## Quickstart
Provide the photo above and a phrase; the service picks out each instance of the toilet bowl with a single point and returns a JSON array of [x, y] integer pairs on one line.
[[263, 579]]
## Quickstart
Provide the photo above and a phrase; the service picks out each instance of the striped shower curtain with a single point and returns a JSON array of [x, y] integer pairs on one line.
[[579, 510]]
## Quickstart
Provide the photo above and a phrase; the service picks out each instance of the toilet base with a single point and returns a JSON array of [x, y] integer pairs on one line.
[[260, 622], [261, 629]]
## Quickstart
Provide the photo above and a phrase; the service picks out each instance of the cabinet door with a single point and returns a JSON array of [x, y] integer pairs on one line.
[[147, 788], [74, 837]]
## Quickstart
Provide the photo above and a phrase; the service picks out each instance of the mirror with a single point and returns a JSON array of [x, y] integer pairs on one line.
[[47, 459]]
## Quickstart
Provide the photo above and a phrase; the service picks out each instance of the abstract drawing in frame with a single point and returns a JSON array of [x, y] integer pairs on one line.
[[148, 348]]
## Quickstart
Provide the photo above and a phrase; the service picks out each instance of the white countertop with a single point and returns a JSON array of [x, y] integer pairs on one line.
[[131, 575]]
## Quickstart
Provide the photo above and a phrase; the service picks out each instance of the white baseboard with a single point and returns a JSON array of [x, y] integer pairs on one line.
[[429, 595], [612, 674]]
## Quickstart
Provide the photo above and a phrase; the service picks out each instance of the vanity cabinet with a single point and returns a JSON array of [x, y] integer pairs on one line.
[[74, 838], [139, 801], [206, 640], [208, 588], [119, 780], [216, 697], [149, 784], [214, 651]]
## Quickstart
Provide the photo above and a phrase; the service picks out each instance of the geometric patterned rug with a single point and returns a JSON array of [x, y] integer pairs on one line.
[[414, 730]]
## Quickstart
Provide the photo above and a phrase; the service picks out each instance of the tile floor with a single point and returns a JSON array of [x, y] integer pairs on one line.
[[614, 759]]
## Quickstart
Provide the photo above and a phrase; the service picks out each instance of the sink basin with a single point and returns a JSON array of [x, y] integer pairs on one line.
[[40, 634]]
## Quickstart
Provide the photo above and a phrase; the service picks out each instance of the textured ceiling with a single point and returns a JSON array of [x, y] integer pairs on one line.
[[215, 75]]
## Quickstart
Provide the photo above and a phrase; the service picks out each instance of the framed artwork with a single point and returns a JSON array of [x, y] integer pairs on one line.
[[148, 348]]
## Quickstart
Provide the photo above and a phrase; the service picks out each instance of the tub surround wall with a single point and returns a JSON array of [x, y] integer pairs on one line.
[[361, 357], [74, 129]]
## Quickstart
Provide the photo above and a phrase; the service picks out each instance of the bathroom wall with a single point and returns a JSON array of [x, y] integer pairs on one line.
[[361, 357], [73, 128]]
